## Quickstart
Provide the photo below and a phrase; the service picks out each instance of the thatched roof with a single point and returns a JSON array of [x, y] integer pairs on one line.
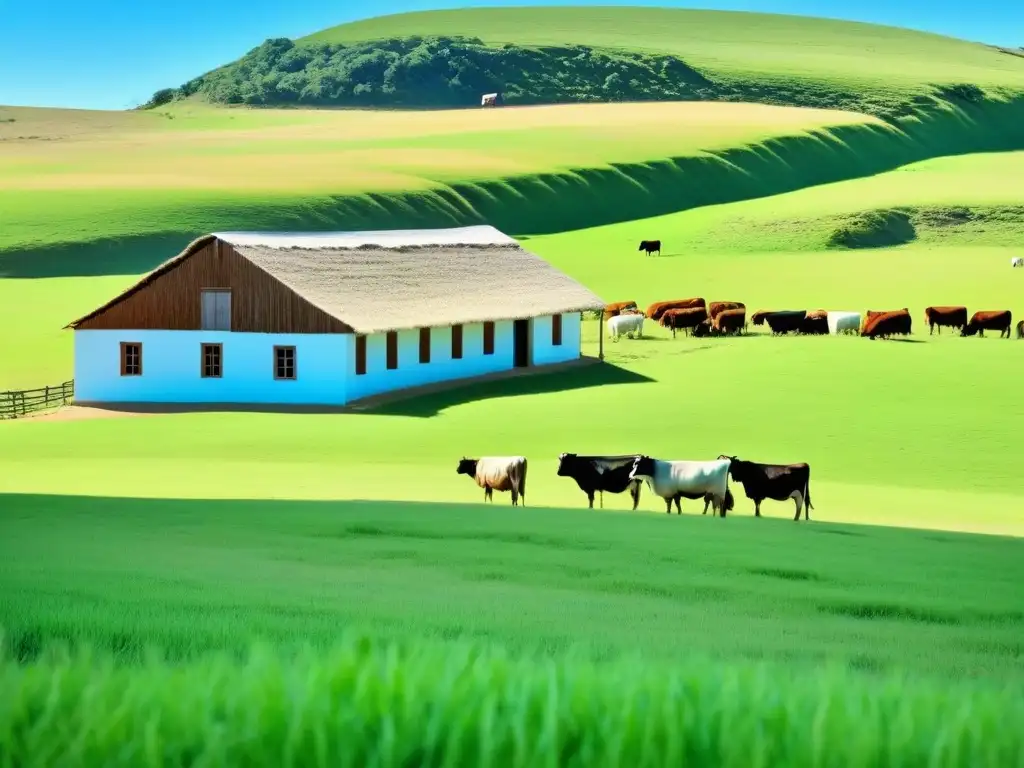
[[382, 281]]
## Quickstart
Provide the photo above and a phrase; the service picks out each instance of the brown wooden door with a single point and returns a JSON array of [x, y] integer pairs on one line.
[[521, 343]]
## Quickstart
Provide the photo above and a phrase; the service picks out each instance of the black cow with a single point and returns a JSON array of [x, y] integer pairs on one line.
[[773, 481], [595, 474], [650, 246]]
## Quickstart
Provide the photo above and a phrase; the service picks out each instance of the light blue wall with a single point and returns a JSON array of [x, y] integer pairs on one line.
[[412, 373], [171, 368], [544, 353]]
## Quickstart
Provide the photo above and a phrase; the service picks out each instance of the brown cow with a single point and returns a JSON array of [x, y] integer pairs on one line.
[[658, 308], [730, 321], [683, 319], [868, 317], [617, 307], [999, 320], [886, 324], [1020, 330], [720, 306], [952, 317]]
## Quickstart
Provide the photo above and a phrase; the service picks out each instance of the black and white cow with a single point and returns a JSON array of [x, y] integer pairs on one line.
[[597, 474], [675, 480], [773, 481]]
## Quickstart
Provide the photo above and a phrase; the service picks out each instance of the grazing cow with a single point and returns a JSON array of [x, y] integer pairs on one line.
[[1020, 329], [730, 321], [702, 329], [999, 320], [843, 322], [675, 480], [815, 323], [620, 325], [758, 317], [716, 307], [773, 481], [597, 474], [683, 319], [650, 246], [658, 308], [886, 324], [1017, 261], [785, 321], [497, 473], [953, 317], [618, 307]]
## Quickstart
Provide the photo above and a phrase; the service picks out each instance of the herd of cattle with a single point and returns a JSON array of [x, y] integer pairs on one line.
[[723, 318], [672, 481]]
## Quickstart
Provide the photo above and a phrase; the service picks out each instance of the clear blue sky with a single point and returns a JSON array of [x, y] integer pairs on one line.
[[113, 54]]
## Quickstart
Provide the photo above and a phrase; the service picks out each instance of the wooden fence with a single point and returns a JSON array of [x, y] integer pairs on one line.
[[22, 402]]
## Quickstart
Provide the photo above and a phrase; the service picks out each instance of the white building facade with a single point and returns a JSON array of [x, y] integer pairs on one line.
[[365, 339]]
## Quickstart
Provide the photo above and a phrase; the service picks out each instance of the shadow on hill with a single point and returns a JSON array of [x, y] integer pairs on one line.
[[537, 204]]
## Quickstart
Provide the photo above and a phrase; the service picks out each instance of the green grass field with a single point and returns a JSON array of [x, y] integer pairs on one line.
[[885, 631]]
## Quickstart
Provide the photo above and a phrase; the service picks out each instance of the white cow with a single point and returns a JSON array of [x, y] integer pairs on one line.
[[1017, 261], [841, 322], [626, 324], [675, 480]]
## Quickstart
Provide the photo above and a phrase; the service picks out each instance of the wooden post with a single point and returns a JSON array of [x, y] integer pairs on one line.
[[600, 336]]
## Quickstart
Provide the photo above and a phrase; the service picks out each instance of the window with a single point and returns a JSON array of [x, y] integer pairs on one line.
[[456, 342], [392, 350], [211, 365], [216, 310], [360, 355], [556, 330], [131, 358], [488, 338], [424, 345], [284, 362]]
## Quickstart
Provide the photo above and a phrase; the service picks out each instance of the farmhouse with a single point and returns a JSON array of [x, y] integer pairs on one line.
[[327, 318]]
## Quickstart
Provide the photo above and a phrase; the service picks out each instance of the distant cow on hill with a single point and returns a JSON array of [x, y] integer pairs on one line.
[[497, 473], [785, 321], [999, 320], [597, 474], [773, 481], [1017, 261], [650, 246], [683, 319], [618, 307], [729, 321], [951, 317], [658, 308], [887, 324]]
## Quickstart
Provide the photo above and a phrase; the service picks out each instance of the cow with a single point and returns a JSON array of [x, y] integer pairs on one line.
[[620, 325], [785, 321], [650, 246], [773, 481], [999, 320], [497, 473], [1017, 261], [597, 474], [730, 321], [953, 317], [815, 323], [886, 324], [868, 317], [715, 307], [702, 329], [758, 317], [618, 307], [658, 308], [843, 322], [490, 100], [683, 319], [1020, 329], [675, 480]]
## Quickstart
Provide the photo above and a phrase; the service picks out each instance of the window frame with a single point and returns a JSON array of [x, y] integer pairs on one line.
[[360, 355], [391, 350], [231, 308], [124, 357], [556, 330], [203, 346], [425, 339], [295, 362], [489, 332], [457, 341]]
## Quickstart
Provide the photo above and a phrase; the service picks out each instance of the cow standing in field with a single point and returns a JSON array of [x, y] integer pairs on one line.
[[650, 246], [773, 481], [1000, 320], [951, 317], [782, 322], [659, 308], [730, 321], [617, 308], [1017, 261], [497, 473], [675, 480], [887, 324], [815, 323], [843, 322], [715, 308], [623, 325], [683, 319], [597, 474]]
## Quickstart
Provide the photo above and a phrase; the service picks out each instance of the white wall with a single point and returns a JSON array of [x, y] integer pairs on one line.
[[171, 368], [544, 353], [411, 373]]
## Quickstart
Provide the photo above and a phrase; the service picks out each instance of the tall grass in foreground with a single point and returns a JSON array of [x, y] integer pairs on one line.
[[365, 704]]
